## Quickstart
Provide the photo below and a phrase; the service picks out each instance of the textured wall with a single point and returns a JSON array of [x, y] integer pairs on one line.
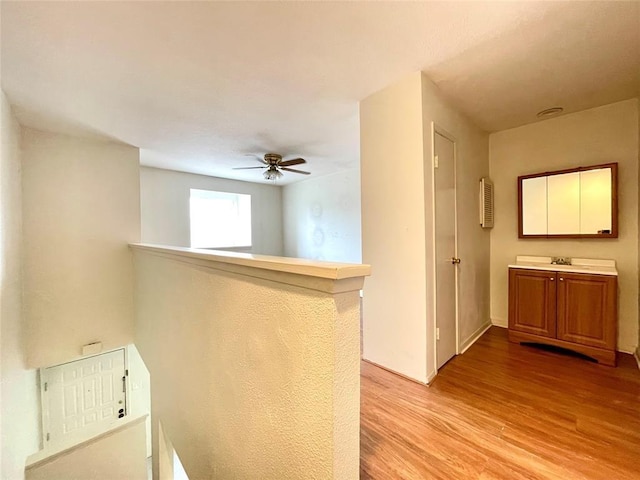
[[600, 135], [322, 218], [19, 403], [164, 203], [251, 378], [80, 210]]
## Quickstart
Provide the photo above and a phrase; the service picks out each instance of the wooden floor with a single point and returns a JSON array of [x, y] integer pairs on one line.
[[503, 411]]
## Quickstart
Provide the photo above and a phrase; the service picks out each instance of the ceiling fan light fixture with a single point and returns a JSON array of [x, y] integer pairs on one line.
[[272, 173]]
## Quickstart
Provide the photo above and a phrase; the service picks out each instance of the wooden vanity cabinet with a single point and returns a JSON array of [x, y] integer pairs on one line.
[[577, 311]]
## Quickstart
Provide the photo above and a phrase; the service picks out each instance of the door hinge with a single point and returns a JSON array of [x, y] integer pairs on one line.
[[437, 334], [435, 161], [46, 386], [48, 437], [126, 372]]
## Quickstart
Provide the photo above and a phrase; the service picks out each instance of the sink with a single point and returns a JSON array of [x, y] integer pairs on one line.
[[568, 267]]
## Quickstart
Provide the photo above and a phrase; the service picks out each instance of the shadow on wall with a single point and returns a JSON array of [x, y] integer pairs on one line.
[[169, 462]]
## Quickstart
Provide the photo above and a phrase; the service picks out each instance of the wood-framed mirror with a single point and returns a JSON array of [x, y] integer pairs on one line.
[[575, 203]]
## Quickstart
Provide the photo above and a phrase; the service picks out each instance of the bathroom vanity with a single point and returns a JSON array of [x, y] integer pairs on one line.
[[569, 306]]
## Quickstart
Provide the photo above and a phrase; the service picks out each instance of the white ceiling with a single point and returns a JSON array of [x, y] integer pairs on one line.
[[198, 85]]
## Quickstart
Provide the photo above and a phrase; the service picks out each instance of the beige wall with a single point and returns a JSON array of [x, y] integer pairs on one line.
[[119, 454], [164, 203], [398, 229], [251, 377], [600, 135], [392, 157], [19, 411], [80, 210], [472, 163], [139, 390], [322, 218]]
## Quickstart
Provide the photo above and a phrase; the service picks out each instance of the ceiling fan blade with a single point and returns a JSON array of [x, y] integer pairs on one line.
[[289, 163], [257, 157], [246, 168], [294, 170]]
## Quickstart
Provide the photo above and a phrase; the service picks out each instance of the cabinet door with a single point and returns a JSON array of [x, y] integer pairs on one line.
[[587, 309], [532, 302]]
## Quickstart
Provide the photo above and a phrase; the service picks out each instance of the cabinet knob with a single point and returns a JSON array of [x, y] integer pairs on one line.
[[551, 278], [561, 279]]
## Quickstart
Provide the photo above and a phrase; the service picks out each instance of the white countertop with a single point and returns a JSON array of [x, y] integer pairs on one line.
[[578, 265]]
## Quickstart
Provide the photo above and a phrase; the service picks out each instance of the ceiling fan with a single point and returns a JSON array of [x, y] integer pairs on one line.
[[274, 165]]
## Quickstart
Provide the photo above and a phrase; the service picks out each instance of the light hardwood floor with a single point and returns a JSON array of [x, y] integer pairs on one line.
[[503, 411]]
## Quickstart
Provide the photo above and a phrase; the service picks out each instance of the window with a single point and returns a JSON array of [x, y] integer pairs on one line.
[[220, 219]]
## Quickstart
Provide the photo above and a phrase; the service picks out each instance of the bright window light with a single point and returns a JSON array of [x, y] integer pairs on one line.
[[220, 219]]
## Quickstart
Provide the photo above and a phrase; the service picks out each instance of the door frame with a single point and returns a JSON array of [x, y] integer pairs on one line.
[[435, 128], [44, 409]]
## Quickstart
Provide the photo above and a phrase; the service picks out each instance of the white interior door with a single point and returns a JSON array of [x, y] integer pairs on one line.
[[83, 394], [446, 255]]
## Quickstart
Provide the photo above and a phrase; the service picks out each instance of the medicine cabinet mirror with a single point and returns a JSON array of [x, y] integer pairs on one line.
[[576, 203]]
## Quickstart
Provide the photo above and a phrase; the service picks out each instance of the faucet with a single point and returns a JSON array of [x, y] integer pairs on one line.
[[560, 260]]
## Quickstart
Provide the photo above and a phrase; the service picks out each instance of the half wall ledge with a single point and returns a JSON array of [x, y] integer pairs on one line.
[[323, 276], [254, 362]]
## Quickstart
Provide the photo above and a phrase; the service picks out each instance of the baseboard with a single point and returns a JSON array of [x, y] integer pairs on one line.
[[499, 322], [431, 377], [626, 349], [637, 355], [474, 337], [398, 373]]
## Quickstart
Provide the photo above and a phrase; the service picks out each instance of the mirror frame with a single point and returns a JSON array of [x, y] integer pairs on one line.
[[614, 202]]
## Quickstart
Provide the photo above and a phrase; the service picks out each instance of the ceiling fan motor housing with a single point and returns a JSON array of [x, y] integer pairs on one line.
[[272, 158]]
